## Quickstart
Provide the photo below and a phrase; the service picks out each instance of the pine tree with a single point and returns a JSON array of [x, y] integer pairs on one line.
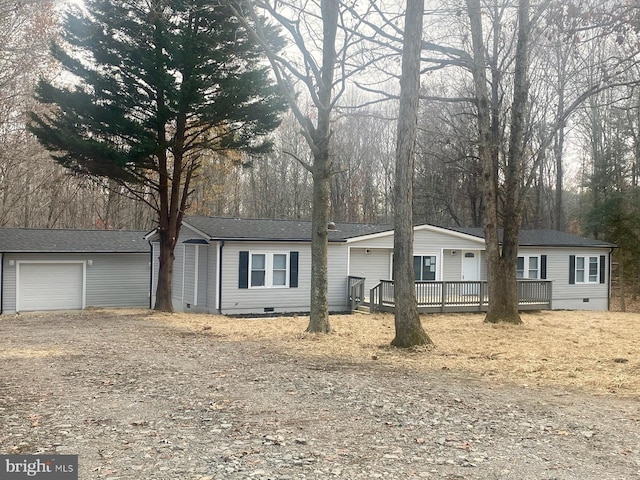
[[158, 83]]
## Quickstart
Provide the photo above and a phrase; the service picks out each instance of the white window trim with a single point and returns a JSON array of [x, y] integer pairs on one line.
[[268, 281], [586, 270], [525, 273]]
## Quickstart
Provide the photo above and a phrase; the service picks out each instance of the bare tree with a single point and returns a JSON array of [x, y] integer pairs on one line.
[[323, 49], [409, 331]]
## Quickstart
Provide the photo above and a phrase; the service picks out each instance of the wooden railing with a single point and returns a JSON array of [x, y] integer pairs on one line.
[[355, 292], [460, 296]]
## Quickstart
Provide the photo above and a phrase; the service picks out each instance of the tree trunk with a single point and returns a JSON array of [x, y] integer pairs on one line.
[[319, 314], [164, 302], [321, 171], [501, 255], [409, 331]]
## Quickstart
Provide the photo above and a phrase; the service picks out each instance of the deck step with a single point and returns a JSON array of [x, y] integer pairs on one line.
[[363, 309]]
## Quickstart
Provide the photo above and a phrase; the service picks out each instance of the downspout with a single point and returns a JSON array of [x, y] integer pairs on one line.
[[219, 299]]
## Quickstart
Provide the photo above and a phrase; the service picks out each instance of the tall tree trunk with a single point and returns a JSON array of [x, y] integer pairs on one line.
[[501, 255], [164, 301], [319, 314], [321, 171], [409, 331]]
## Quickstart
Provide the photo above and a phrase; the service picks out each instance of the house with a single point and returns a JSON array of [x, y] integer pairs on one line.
[[51, 269], [242, 266]]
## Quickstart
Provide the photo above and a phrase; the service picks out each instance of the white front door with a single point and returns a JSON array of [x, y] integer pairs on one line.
[[470, 266]]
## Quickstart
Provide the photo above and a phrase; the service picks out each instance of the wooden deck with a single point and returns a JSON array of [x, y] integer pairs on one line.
[[459, 296]]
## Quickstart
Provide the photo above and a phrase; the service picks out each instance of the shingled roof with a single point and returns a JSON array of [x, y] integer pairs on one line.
[[30, 240], [541, 238], [280, 230], [242, 229]]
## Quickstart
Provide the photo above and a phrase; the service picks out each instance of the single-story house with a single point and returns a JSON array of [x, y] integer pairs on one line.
[[55, 269], [242, 266]]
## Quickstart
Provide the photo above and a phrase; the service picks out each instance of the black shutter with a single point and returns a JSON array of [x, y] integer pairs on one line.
[[293, 269], [543, 267], [572, 269], [603, 263], [243, 270]]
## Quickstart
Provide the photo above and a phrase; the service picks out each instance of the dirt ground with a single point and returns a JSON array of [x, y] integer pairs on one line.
[[144, 396]]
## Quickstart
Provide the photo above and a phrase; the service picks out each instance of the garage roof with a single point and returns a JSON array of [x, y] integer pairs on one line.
[[33, 240]]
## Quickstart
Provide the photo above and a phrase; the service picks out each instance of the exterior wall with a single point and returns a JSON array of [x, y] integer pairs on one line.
[[237, 300], [194, 280], [117, 280], [373, 264], [177, 281], [376, 265], [189, 279], [193, 287], [348, 259], [155, 266], [211, 282], [428, 239], [451, 265], [587, 296]]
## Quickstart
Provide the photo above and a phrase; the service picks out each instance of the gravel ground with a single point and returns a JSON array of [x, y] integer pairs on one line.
[[137, 399]]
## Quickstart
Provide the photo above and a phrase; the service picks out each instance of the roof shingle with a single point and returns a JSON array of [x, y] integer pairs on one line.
[[31, 240], [217, 228]]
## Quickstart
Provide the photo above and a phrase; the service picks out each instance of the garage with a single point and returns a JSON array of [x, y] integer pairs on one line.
[[50, 286], [49, 269]]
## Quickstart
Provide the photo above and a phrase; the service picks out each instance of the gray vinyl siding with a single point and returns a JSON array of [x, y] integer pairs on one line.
[[572, 297], [155, 258], [187, 280], [451, 265], [202, 277], [116, 280], [195, 279], [237, 300], [211, 282], [176, 281], [372, 266], [188, 275], [338, 261], [427, 239]]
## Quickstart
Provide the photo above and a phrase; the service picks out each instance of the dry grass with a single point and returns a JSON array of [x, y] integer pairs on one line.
[[593, 351]]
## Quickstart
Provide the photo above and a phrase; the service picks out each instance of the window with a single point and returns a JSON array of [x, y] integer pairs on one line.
[[579, 269], [279, 270], [528, 267], [424, 267], [258, 270], [587, 269], [268, 270], [593, 269]]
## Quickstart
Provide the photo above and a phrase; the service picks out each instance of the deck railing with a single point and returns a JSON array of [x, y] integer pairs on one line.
[[355, 294], [462, 296]]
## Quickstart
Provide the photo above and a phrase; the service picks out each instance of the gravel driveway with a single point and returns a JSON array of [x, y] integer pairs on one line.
[[137, 399]]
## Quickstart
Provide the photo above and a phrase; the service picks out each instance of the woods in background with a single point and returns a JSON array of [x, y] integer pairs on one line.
[[581, 131]]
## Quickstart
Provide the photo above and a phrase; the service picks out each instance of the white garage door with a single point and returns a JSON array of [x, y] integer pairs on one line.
[[49, 286]]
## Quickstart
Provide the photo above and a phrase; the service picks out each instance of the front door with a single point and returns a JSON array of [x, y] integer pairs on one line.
[[470, 272], [470, 266]]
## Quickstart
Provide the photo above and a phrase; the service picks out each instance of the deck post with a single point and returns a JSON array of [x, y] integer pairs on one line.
[[444, 296]]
